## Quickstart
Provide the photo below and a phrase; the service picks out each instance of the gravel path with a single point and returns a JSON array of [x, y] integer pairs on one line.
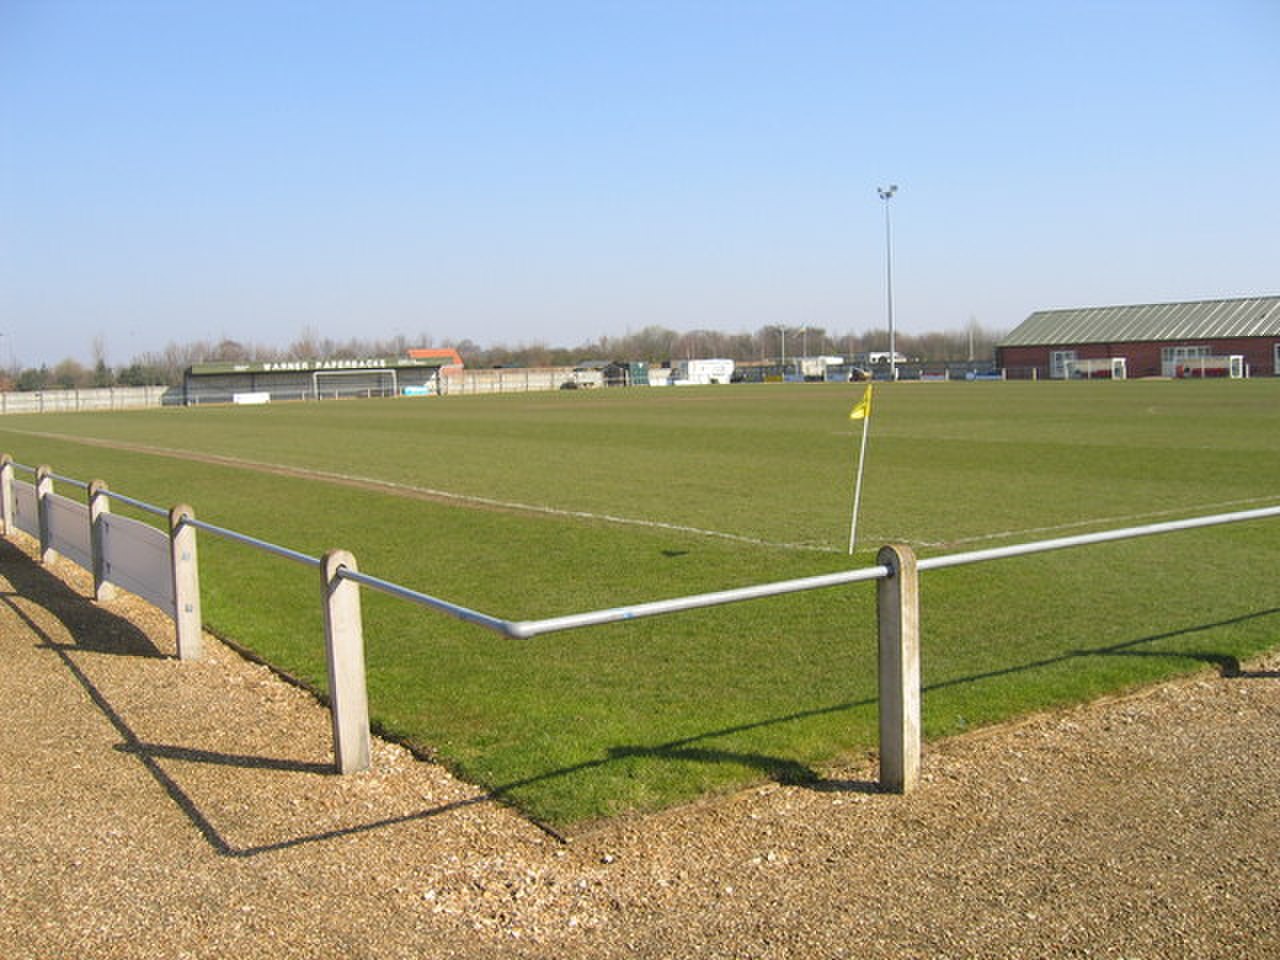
[[151, 808]]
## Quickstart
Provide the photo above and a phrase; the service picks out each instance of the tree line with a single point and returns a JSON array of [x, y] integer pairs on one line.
[[653, 344]]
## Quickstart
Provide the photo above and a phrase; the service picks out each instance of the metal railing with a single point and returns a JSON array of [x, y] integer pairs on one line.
[[524, 629], [896, 572]]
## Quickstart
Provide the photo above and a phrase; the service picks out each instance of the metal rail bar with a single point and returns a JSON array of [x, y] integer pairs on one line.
[[454, 610], [264, 545], [140, 504], [525, 629], [70, 481], [531, 628], [1084, 539]]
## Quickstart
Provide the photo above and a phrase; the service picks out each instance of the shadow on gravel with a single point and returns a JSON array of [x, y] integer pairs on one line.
[[789, 771], [96, 630], [91, 627], [160, 751], [700, 748]]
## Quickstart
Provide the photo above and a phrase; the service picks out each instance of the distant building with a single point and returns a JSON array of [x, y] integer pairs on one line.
[[1239, 337], [701, 372], [452, 360], [311, 379], [608, 373]]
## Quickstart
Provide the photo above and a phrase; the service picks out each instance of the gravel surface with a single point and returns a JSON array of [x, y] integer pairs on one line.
[[152, 808]]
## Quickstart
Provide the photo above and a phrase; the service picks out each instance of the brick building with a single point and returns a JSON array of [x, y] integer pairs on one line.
[[1198, 338]]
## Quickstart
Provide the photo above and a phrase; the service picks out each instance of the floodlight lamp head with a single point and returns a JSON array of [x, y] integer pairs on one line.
[[887, 192]]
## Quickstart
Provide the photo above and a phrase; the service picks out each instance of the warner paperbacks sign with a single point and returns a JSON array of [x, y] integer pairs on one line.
[[313, 366]]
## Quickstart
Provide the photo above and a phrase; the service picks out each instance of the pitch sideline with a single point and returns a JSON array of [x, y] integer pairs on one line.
[[431, 493]]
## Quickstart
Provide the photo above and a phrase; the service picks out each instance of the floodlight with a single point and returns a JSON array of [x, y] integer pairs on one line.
[[885, 194]]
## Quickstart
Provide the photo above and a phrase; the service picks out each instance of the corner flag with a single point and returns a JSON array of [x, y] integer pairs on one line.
[[862, 409]]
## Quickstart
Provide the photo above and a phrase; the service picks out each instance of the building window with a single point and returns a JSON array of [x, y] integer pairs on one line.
[[1058, 360], [1171, 358]]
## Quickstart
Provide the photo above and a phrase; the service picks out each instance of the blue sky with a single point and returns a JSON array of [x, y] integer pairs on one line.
[[520, 172]]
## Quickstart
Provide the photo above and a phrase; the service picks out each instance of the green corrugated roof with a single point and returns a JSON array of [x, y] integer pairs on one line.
[[315, 366], [1195, 320]]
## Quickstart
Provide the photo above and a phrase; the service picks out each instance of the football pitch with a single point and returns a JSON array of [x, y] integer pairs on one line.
[[535, 505]]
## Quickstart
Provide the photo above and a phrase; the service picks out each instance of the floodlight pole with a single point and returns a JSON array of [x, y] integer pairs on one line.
[[885, 194]]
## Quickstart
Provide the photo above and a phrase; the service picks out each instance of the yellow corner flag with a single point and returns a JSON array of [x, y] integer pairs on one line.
[[862, 409]]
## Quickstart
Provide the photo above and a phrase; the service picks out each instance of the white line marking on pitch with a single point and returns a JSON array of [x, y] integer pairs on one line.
[[1095, 521], [392, 485], [517, 506]]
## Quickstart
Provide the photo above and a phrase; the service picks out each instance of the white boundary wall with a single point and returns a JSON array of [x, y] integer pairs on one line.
[[505, 380], [98, 398]]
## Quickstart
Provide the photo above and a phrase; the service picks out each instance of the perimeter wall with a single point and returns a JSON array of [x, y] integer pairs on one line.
[[97, 398]]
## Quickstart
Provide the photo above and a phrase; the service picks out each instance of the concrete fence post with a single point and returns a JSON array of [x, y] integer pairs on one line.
[[898, 610], [344, 645], [99, 505], [44, 490], [185, 566], [7, 524]]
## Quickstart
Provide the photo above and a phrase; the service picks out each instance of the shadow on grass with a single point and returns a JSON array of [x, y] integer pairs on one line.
[[789, 771], [99, 631], [1227, 665]]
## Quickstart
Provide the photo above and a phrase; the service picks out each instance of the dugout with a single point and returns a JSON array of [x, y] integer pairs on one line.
[[311, 379]]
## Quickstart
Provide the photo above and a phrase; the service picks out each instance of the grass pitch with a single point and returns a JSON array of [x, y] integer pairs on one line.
[[539, 504]]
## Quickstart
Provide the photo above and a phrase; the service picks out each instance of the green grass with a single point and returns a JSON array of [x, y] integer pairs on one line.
[[594, 722]]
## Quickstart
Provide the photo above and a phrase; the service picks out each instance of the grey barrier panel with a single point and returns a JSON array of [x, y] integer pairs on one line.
[[185, 577], [344, 646], [898, 613], [68, 529], [26, 508], [99, 506], [135, 557]]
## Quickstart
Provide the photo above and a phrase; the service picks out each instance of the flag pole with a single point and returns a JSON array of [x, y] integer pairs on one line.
[[860, 412]]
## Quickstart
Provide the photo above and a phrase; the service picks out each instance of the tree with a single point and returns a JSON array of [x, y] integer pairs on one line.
[[102, 376], [141, 375], [70, 374], [231, 351], [32, 379], [307, 346]]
